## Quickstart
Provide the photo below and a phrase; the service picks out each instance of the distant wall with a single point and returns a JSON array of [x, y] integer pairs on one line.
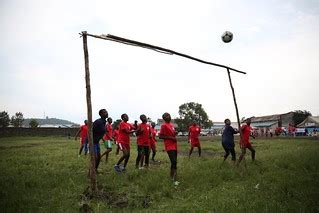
[[11, 131]]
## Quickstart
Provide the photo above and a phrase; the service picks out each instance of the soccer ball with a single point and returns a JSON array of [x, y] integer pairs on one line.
[[227, 36]]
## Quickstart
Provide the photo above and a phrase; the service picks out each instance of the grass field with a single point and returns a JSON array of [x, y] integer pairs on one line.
[[45, 174]]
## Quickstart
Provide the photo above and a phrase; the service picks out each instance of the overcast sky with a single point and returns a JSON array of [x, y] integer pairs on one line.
[[42, 63]]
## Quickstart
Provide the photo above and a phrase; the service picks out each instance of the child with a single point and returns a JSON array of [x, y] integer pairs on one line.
[[143, 134], [107, 139], [168, 134], [228, 140], [153, 141], [193, 133], [244, 141], [83, 132], [124, 142]]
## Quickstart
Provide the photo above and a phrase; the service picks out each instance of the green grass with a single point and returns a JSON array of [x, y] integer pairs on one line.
[[44, 174]]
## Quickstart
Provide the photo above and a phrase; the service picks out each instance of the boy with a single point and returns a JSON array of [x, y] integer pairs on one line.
[[193, 133], [143, 133], [83, 132], [98, 130], [153, 141], [168, 134], [244, 141], [115, 138], [107, 139], [125, 130], [228, 140]]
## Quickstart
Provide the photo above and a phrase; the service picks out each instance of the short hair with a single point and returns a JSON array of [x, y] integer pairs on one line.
[[142, 116], [101, 111], [226, 120], [109, 118], [122, 116], [165, 114]]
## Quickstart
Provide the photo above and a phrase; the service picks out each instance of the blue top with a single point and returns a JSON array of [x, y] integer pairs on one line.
[[228, 137], [98, 130]]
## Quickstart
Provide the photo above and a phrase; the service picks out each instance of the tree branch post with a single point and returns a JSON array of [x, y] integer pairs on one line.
[[235, 102], [92, 172]]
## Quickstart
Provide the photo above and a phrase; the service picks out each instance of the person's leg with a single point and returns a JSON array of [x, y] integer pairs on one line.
[[153, 152], [86, 146], [127, 157], [123, 155], [199, 150], [233, 155], [139, 155], [81, 148], [253, 152], [242, 155], [147, 155], [172, 154], [226, 152], [190, 151], [97, 155]]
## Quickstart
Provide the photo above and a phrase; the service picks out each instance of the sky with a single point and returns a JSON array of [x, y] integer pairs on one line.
[[42, 63]]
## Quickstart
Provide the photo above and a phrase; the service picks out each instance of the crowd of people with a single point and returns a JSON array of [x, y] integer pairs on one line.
[[146, 141]]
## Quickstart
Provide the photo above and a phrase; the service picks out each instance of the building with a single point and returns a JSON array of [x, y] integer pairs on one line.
[[309, 125]]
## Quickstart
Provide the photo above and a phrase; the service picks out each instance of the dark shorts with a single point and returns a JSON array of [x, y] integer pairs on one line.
[[143, 150], [229, 150], [97, 148]]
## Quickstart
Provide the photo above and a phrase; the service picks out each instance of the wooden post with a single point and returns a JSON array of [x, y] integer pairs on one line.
[[92, 172], [234, 97]]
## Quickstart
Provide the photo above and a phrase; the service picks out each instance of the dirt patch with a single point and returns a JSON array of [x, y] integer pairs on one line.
[[112, 199]]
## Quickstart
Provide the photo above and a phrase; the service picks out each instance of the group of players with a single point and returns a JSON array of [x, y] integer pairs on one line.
[[103, 131]]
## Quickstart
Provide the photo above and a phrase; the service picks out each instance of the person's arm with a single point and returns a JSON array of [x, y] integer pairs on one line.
[[189, 135], [234, 131], [165, 137]]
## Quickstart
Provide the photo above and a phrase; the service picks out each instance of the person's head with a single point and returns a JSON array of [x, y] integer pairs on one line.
[[166, 117], [109, 120], [143, 118], [194, 123], [248, 121], [103, 113], [227, 121], [153, 124], [85, 122], [124, 117]]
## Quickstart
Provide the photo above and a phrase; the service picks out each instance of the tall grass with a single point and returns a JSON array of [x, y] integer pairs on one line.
[[45, 174]]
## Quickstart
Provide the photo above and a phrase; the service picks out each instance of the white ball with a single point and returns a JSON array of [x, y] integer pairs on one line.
[[227, 36]]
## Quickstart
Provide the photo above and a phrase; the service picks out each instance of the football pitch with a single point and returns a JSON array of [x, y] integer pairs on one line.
[[45, 174]]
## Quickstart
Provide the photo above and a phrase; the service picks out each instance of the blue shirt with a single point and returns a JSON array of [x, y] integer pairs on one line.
[[98, 130], [228, 137]]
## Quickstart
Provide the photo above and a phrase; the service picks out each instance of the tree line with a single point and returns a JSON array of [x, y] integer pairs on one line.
[[15, 120]]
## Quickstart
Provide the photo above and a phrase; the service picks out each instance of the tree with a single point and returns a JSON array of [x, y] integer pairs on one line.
[[17, 120], [4, 119], [299, 116], [33, 123], [189, 112]]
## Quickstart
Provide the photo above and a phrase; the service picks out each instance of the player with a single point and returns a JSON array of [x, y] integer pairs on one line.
[[108, 138], [83, 132], [193, 133], [153, 141], [245, 143], [115, 138], [228, 140], [168, 134], [99, 130], [125, 130], [143, 133]]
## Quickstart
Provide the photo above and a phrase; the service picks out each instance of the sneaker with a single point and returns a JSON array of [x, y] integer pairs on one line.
[[117, 168], [176, 183], [122, 168]]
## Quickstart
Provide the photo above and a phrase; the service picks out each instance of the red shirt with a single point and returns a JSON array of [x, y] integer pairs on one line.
[[143, 138], [84, 132], [123, 136], [246, 133], [153, 132], [116, 134], [194, 131], [168, 129], [109, 132]]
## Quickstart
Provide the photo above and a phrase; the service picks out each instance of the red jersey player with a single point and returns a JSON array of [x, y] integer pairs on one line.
[[115, 138], [153, 141], [108, 138], [125, 130], [83, 132], [143, 133], [193, 133], [168, 134], [244, 141]]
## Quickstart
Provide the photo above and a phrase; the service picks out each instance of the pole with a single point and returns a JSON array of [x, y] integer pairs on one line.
[[235, 102], [92, 172]]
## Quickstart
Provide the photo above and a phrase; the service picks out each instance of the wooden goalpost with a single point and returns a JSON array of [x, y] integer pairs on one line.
[[109, 37]]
